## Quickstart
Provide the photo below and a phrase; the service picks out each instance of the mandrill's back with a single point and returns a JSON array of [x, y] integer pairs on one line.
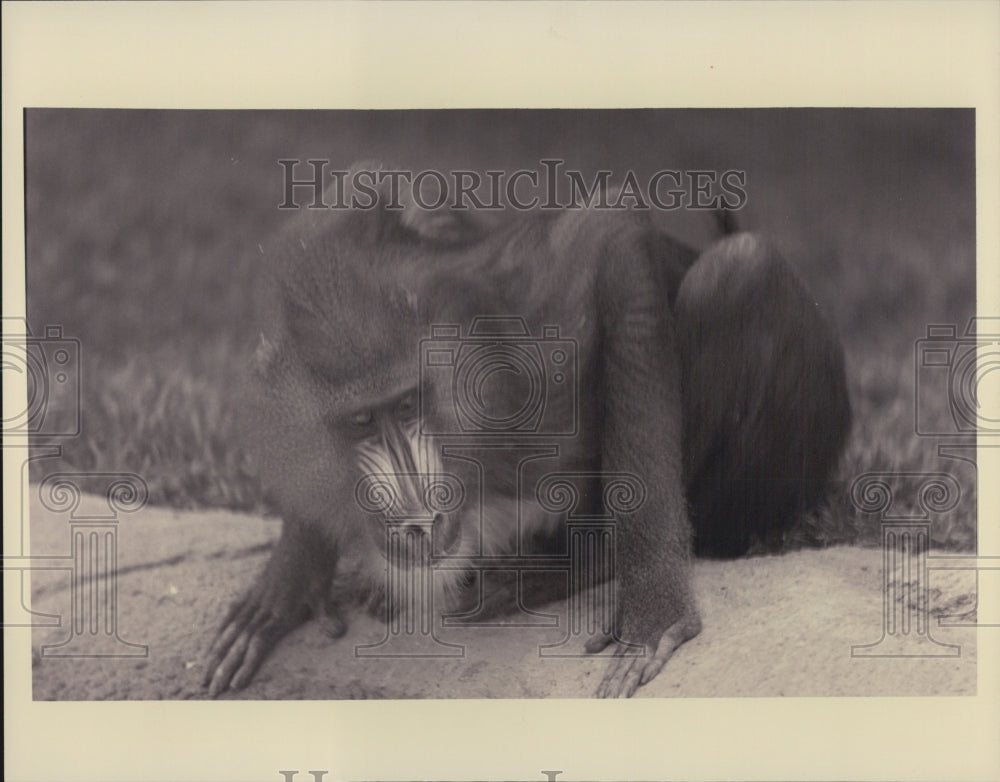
[[544, 265]]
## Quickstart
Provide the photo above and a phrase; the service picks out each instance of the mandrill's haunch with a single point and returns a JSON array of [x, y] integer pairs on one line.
[[355, 381]]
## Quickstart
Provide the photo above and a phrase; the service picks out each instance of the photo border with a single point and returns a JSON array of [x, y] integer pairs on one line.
[[436, 55]]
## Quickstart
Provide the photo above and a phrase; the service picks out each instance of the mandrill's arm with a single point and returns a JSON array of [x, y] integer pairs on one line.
[[641, 434], [293, 586]]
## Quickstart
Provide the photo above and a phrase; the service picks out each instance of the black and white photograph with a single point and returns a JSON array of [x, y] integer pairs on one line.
[[566, 395], [461, 405]]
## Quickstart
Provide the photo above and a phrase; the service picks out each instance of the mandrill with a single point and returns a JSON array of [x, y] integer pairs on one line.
[[580, 342]]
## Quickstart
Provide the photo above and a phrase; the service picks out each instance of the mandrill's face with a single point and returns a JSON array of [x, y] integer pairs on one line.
[[402, 484]]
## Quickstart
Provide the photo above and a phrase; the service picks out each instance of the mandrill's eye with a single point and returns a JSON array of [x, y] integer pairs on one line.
[[364, 418], [407, 408]]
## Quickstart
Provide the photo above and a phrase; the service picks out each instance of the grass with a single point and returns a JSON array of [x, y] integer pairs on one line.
[[144, 231]]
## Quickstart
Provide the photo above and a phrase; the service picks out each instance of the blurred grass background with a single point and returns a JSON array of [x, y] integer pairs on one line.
[[145, 229]]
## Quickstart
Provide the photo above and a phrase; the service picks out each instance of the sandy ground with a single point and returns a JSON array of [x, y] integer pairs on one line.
[[772, 626]]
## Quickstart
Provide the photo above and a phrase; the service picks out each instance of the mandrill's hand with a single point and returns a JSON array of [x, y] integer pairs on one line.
[[630, 667], [292, 587]]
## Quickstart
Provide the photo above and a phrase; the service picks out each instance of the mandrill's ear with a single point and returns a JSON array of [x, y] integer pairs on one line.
[[381, 202]]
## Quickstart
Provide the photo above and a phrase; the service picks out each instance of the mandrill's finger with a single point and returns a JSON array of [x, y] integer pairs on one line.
[[223, 644], [225, 637], [235, 607], [232, 661], [622, 678], [654, 666], [219, 649], [624, 672], [610, 676], [675, 635], [262, 642], [632, 670], [630, 682], [237, 617], [598, 642], [617, 669]]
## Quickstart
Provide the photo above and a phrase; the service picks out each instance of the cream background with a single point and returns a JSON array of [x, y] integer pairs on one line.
[[313, 55]]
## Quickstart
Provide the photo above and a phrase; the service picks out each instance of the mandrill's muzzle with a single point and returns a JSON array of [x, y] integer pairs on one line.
[[405, 487]]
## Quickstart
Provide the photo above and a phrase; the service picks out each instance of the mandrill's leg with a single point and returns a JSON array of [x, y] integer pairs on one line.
[[642, 436], [766, 410], [294, 585]]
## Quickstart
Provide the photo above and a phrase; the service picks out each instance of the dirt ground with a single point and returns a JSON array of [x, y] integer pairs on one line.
[[781, 625]]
